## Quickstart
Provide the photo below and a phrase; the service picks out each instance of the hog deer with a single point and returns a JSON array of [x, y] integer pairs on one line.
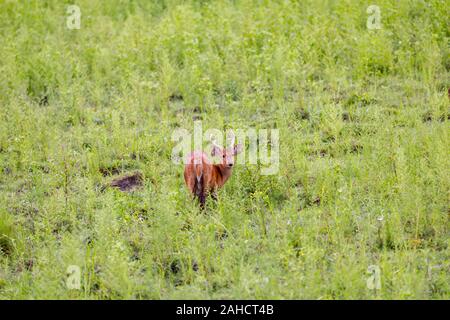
[[204, 178]]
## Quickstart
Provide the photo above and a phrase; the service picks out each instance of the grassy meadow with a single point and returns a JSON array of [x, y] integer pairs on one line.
[[363, 181]]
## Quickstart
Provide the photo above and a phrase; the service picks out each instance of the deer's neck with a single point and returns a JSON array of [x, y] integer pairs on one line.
[[223, 173]]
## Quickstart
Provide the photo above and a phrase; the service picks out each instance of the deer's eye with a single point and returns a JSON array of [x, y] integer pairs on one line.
[[223, 156]]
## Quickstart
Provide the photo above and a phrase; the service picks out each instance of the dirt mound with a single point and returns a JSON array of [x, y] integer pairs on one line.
[[128, 183]]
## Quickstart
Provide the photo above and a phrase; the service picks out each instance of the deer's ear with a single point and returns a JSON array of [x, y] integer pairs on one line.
[[215, 151], [238, 149]]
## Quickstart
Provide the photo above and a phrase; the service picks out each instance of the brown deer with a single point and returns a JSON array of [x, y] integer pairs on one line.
[[204, 178]]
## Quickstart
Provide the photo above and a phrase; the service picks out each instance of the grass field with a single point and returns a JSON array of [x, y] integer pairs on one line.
[[363, 180]]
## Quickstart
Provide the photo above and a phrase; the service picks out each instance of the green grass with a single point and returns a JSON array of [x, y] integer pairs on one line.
[[364, 157]]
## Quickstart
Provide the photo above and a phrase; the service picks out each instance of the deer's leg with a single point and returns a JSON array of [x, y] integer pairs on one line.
[[202, 200], [200, 192]]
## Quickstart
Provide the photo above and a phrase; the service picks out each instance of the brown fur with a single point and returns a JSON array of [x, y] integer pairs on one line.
[[204, 178]]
